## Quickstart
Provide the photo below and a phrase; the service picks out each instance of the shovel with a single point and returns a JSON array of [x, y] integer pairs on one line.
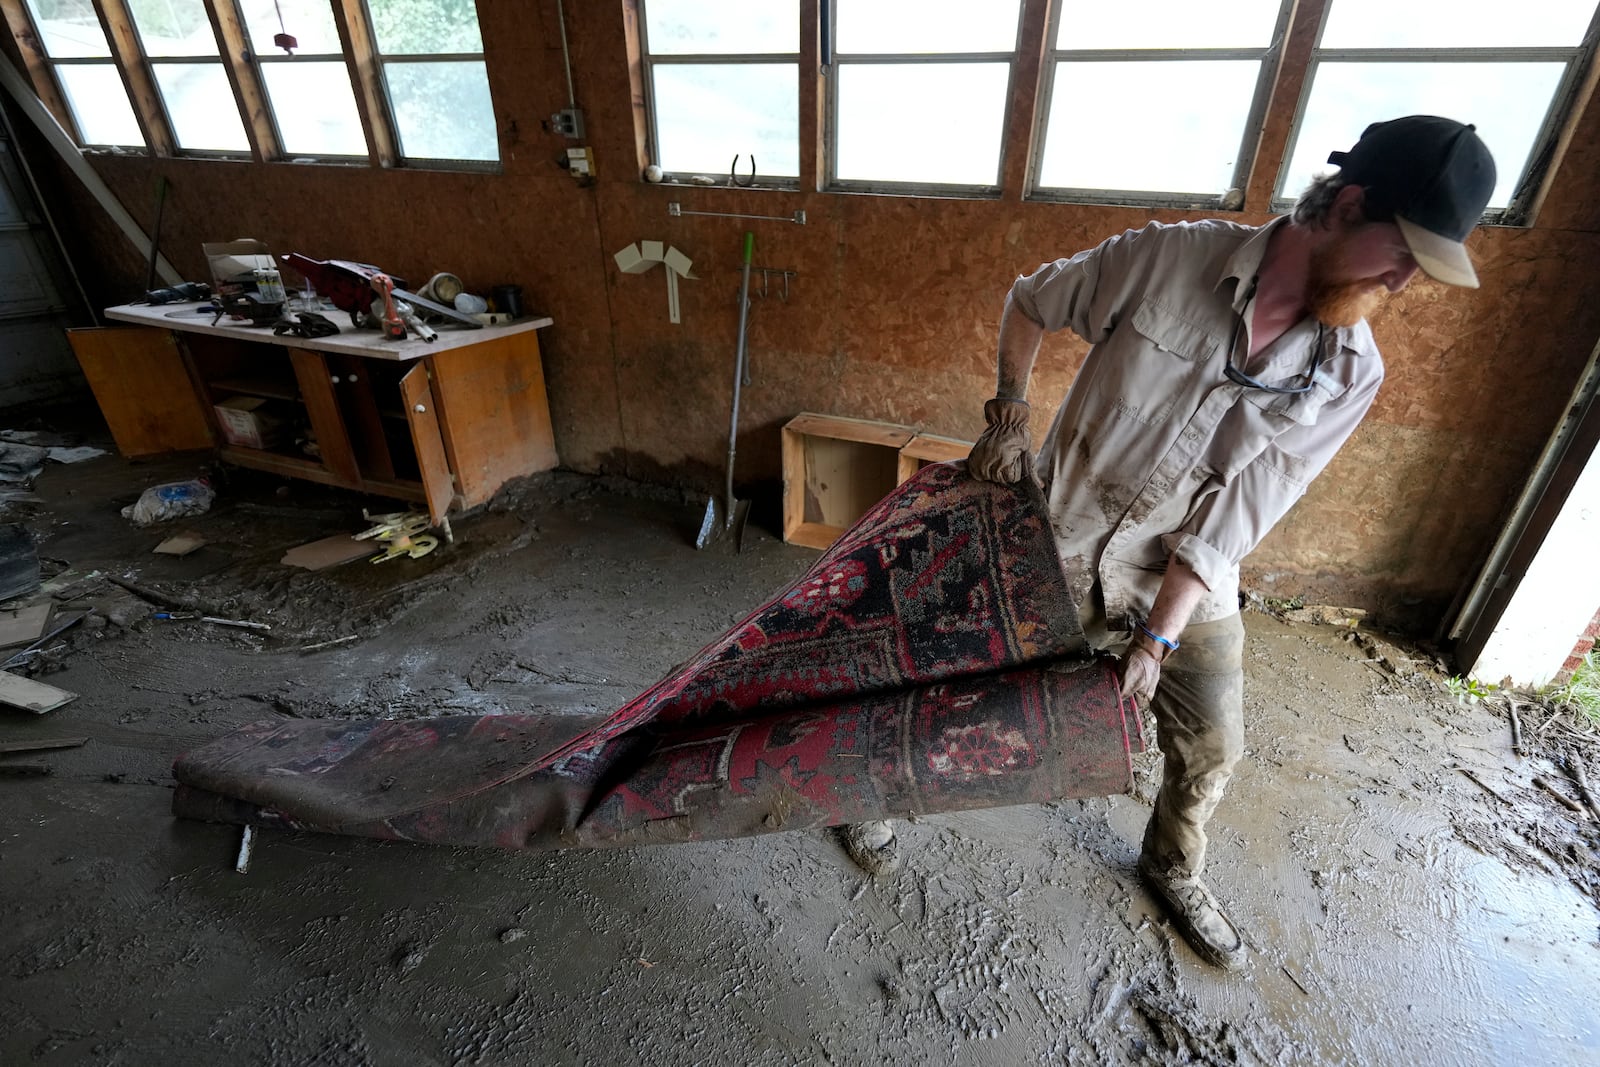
[[729, 514]]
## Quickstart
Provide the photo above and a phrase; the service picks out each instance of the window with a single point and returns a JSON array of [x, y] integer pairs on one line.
[[91, 86], [918, 97], [1154, 100], [1508, 73], [723, 81], [432, 58], [177, 37], [313, 104], [387, 80]]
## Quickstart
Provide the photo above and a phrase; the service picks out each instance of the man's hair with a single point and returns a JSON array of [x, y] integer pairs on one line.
[[1315, 206]]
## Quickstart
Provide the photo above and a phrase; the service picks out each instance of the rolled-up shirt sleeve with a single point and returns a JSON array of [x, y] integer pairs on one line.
[[1229, 523]]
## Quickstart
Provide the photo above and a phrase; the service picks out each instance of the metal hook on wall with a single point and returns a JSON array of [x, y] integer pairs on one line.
[[785, 274], [733, 173]]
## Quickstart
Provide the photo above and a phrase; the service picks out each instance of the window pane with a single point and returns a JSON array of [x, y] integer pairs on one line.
[[722, 27], [315, 108], [1506, 101], [173, 27], [909, 27], [1166, 24], [310, 22], [69, 28], [99, 103], [425, 27], [929, 123], [201, 106], [442, 110], [706, 115], [1162, 127], [1456, 23]]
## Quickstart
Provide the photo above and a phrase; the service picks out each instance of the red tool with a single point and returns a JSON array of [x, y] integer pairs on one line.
[[393, 327]]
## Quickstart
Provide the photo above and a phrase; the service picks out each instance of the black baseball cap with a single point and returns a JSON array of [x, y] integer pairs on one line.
[[1433, 176]]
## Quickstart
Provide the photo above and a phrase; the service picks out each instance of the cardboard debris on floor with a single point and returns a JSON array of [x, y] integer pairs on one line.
[[21, 464], [19, 561], [328, 552], [29, 695], [180, 544], [24, 623]]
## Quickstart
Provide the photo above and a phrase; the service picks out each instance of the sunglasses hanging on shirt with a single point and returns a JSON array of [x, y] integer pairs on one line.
[[1239, 377]]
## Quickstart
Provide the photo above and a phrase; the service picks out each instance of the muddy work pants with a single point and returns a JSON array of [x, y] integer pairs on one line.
[[1199, 713]]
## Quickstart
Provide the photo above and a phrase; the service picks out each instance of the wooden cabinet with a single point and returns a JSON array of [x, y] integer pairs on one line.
[[442, 424]]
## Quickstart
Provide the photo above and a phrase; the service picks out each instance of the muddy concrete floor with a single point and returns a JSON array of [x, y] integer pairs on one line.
[[1399, 911]]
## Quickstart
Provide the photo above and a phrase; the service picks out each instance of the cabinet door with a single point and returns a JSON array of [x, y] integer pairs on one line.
[[417, 393], [143, 389]]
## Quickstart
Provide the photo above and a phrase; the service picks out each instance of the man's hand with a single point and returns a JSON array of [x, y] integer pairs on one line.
[[1004, 453], [1139, 673]]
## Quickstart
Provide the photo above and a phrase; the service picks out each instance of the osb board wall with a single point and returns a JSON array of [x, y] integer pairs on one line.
[[892, 313]]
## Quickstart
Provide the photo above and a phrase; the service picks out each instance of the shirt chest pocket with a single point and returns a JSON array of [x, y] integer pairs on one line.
[[1259, 419], [1157, 352]]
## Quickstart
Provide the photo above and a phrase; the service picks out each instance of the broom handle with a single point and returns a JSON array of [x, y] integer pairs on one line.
[[738, 363]]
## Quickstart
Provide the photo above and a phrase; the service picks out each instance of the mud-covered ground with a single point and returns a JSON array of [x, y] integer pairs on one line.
[[1399, 910]]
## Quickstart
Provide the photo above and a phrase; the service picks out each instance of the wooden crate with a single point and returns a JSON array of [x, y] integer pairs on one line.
[[927, 448], [834, 469]]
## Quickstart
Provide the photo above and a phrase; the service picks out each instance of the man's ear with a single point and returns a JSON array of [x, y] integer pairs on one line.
[[1349, 205]]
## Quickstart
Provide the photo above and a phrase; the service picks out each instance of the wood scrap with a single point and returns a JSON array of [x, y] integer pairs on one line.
[[1574, 764], [1516, 728], [24, 623], [172, 603], [25, 770], [29, 695], [1565, 801], [1481, 784], [42, 744], [181, 545]]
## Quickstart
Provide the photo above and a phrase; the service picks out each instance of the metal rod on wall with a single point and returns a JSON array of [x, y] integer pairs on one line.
[[675, 209]]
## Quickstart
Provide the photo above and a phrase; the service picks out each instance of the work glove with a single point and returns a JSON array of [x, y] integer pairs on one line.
[[1138, 674], [1004, 453]]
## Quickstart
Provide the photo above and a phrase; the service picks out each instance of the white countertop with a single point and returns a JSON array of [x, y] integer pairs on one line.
[[368, 343]]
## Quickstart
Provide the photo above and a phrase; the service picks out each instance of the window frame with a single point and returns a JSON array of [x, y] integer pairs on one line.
[[1530, 185], [242, 66], [1269, 56], [380, 61], [649, 62], [832, 61]]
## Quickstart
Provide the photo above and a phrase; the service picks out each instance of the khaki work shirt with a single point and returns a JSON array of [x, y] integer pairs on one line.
[[1154, 452]]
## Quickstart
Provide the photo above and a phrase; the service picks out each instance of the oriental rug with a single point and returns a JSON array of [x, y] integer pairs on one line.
[[931, 660]]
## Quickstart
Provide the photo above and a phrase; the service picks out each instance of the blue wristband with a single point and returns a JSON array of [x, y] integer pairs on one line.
[[1171, 646]]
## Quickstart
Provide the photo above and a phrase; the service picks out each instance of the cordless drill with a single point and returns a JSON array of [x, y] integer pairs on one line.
[[175, 294]]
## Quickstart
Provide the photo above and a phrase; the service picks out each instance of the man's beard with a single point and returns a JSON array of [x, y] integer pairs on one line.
[[1334, 301]]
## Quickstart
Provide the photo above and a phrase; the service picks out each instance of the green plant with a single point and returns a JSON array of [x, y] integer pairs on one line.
[[1582, 690], [1467, 691]]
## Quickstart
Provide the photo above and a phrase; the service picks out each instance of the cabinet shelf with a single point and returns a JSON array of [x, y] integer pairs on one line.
[[262, 387]]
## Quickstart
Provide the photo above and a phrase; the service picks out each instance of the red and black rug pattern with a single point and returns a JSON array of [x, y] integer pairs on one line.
[[946, 577], [1022, 737], [930, 661]]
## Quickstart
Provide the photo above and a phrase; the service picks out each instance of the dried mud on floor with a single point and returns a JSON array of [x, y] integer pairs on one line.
[[1398, 911]]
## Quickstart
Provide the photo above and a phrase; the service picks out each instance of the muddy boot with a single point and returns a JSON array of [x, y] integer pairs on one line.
[[1197, 915], [872, 846]]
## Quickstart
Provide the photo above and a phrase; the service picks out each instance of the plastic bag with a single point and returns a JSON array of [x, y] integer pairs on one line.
[[161, 502]]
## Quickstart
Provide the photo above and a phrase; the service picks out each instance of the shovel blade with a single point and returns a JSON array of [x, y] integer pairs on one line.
[[712, 525]]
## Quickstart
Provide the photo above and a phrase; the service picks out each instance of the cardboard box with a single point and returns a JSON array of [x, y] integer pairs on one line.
[[248, 421], [229, 259]]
